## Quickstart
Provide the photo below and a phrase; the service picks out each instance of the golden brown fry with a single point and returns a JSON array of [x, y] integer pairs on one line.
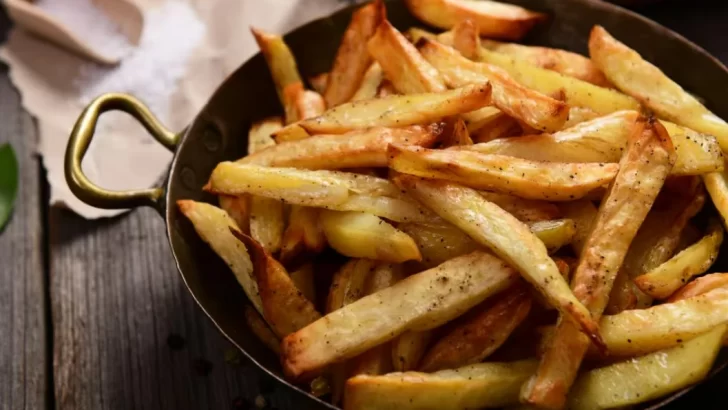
[[302, 234], [291, 132], [583, 213], [358, 148], [304, 103], [304, 279], [637, 77], [554, 59], [699, 286], [399, 110], [339, 191], [494, 19], [362, 235], [500, 126], [238, 208], [408, 72], [509, 238], [259, 136], [456, 134], [370, 84], [645, 378], [476, 386], [576, 92], [280, 61], [285, 307], [624, 294], [260, 329], [554, 234], [524, 210], [466, 39], [665, 279], [318, 82], [352, 58], [533, 108], [214, 225], [408, 349], [603, 140], [267, 222], [509, 175], [577, 115], [420, 302], [642, 173], [386, 89], [480, 332]]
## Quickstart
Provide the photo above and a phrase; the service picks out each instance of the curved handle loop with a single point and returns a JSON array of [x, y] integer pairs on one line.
[[80, 139]]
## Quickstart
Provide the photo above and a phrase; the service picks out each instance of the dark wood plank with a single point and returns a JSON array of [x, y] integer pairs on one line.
[[24, 382], [120, 311]]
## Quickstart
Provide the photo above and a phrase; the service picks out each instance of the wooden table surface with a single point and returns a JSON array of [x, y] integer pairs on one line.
[[94, 315]]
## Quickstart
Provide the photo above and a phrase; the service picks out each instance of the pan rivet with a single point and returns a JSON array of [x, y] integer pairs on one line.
[[189, 179], [211, 139]]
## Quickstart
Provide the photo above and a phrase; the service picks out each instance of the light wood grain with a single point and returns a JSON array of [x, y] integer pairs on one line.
[[23, 326]]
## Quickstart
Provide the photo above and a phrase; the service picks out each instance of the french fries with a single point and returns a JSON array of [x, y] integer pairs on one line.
[[238, 208], [524, 209], [716, 183], [260, 329], [267, 222], [664, 280], [648, 377], [403, 66], [496, 229], [358, 148], [533, 108], [420, 302], [476, 386], [370, 84], [458, 135], [484, 330], [398, 110], [508, 175], [466, 39], [259, 136], [304, 280], [283, 68], [362, 235], [303, 233], [352, 58], [699, 286], [285, 308], [495, 20], [583, 213], [408, 349], [318, 82], [626, 69], [651, 155]]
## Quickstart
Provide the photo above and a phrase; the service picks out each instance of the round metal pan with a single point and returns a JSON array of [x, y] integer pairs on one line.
[[219, 133]]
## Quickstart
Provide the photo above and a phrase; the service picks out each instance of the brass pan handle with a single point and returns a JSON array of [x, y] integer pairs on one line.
[[80, 140]]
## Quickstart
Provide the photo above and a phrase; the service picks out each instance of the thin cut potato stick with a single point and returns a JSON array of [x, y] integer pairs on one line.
[[637, 77], [214, 225], [642, 173], [408, 349], [238, 208], [509, 175], [603, 140], [267, 222], [420, 302], [533, 108], [358, 148], [291, 132], [577, 115], [583, 213], [304, 104], [261, 330], [302, 234], [554, 59], [456, 134], [339, 191], [665, 279], [482, 385], [525, 210], [362, 235], [483, 330], [352, 58], [280, 61], [496, 229], [259, 136], [466, 39], [403, 66], [399, 110], [494, 19], [699, 286], [285, 308], [576, 92], [370, 84]]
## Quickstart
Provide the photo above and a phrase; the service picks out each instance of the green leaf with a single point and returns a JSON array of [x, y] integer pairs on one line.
[[8, 182]]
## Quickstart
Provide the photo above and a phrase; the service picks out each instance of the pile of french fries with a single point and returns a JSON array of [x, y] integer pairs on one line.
[[518, 223]]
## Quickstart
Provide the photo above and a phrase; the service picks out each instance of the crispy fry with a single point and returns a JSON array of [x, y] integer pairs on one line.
[[554, 234], [699, 286], [525, 210], [554, 59], [481, 331], [291, 132], [340, 191], [603, 140], [665, 279], [475, 386], [716, 183], [500, 126], [642, 379], [284, 306], [583, 213], [238, 208], [533, 108], [399, 110], [642, 173], [358, 148], [386, 89], [259, 136], [510, 175], [280, 61], [303, 233], [318, 82], [260, 329], [362, 235], [466, 39], [420, 302], [369, 86], [352, 58], [635, 76], [408, 349], [267, 222], [403, 66], [458, 135], [577, 115], [303, 279], [304, 104], [214, 225], [495, 20], [509, 238], [576, 92]]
